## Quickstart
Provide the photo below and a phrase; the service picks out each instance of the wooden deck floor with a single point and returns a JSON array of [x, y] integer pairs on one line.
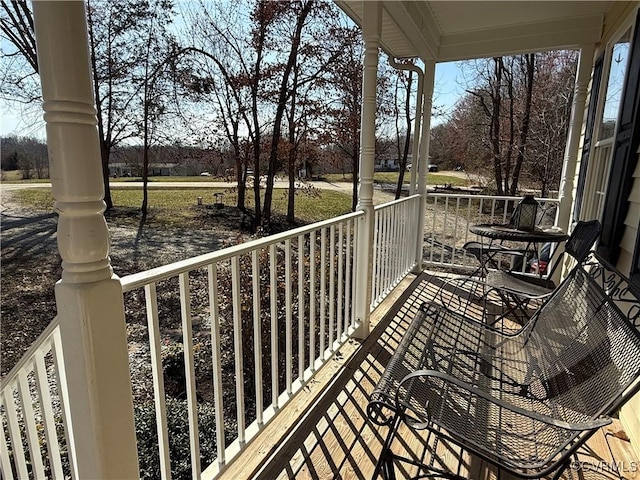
[[332, 439]]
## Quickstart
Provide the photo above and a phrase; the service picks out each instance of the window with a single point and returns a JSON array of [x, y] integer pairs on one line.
[[618, 60], [624, 147], [609, 100]]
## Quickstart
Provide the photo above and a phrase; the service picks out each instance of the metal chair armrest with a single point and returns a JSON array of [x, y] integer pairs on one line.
[[583, 426]]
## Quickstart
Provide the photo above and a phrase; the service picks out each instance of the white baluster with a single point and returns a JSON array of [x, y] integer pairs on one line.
[[153, 324], [190, 374], [257, 335], [212, 275]]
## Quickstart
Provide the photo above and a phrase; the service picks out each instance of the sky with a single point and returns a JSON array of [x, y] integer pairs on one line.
[[448, 89], [29, 121]]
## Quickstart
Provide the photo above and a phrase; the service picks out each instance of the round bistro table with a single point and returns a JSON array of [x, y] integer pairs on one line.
[[501, 233], [504, 232]]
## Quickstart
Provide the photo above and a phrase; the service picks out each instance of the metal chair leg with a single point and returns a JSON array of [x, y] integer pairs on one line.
[[384, 466]]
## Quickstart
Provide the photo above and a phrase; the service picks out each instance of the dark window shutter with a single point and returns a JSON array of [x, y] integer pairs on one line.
[[588, 136], [625, 158]]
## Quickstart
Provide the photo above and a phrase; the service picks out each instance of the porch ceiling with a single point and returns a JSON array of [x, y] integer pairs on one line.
[[456, 30]]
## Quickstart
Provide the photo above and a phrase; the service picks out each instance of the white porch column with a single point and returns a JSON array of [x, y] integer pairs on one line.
[[583, 76], [89, 296], [429, 80], [371, 27]]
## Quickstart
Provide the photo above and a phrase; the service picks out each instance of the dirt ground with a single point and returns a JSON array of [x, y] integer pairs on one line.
[[30, 264]]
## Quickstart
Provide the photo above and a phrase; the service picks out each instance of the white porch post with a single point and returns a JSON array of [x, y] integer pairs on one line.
[[583, 77], [429, 80], [371, 27], [89, 295]]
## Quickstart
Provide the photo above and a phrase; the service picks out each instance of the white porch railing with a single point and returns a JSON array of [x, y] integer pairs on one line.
[[253, 321], [394, 244], [34, 417], [256, 320], [450, 215]]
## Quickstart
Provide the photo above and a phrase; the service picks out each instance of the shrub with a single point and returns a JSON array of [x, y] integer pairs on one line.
[[179, 447]]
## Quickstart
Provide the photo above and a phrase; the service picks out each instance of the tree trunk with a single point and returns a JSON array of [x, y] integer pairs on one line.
[[405, 153], [240, 176], [105, 147], [293, 151], [355, 168], [494, 130], [105, 153], [291, 164], [506, 173], [291, 217], [275, 139], [524, 131], [145, 155]]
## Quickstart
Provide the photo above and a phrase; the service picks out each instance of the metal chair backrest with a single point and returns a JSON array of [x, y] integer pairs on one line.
[[580, 242], [587, 339], [582, 239]]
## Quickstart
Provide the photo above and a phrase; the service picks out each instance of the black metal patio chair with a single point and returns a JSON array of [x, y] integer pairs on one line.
[[521, 289], [515, 294]]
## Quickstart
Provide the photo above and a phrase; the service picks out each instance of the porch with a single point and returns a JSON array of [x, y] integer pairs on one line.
[[255, 333], [333, 438], [291, 305], [291, 408]]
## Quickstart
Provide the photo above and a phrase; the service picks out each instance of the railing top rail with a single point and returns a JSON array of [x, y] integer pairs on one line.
[[137, 280], [395, 202], [489, 197], [28, 355]]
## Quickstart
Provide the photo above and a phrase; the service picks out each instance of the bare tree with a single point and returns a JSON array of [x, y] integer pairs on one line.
[[153, 72], [515, 117], [20, 84], [499, 87], [403, 91], [17, 24], [117, 49], [343, 120]]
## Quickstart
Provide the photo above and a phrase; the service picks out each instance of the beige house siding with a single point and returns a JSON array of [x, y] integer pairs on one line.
[[628, 243], [630, 413]]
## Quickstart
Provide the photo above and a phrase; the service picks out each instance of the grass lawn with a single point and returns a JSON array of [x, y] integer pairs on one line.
[[171, 178], [392, 177], [178, 206], [15, 176]]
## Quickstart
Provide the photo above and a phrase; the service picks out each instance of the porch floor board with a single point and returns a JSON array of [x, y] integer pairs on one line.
[[334, 439]]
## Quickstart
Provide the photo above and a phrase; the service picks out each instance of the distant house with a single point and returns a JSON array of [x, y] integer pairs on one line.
[[387, 164], [135, 170]]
